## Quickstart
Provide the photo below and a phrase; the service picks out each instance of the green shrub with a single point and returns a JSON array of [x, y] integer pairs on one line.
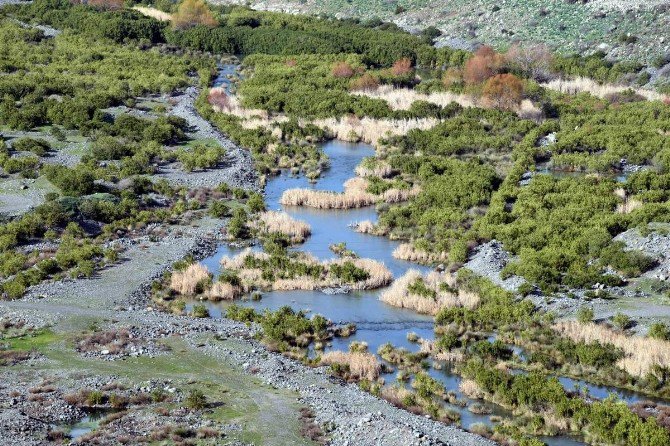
[[196, 400]]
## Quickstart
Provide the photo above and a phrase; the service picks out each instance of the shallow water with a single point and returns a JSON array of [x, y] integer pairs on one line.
[[377, 322], [87, 424]]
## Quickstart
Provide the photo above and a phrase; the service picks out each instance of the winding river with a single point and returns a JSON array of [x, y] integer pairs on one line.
[[377, 323]]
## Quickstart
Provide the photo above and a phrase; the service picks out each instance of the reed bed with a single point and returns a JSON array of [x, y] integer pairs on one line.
[[186, 282], [583, 84], [628, 206], [371, 130], [157, 14], [403, 98], [280, 222], [641, 354], [365, 227], [401, 293], [361, 364], [471, 389], [378, 274], [380, 169], [355, 195], [223, 291], [407, 251]]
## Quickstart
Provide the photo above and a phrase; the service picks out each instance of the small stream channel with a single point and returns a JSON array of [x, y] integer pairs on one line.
[[377, 323]]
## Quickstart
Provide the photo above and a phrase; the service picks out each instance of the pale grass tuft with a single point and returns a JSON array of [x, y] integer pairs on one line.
[[407, 251], [365, 227], [222, 291], [471, 389], [628, 206], [157, 14], [371, 130], [251, 118], [355, 195], [361, 365], [186, 282], [582, 84], [399, 295], [280, 222], [381, 169], [403, 98], [641, 354]]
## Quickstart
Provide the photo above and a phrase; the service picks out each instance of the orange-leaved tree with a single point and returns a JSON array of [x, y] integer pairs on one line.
[[192, 13], [342, 70], [482, 65], [503, 91], [402, 67]]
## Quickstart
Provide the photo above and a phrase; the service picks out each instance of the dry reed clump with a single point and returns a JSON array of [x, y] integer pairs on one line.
[[157, 14], [582, 84], [186, 282], [371, 130], [361, 365], [222, 102], [403, 98], [355, 195], [380, 169], [365, 227], [400, 294], [280, 222], [223, 291], [471, 389], [379, 274], [640, 354], [407, 251], [628, 206]]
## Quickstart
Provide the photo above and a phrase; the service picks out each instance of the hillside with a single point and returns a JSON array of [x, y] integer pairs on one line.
[[631, 30]]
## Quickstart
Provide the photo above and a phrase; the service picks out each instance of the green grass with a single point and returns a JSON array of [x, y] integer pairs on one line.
[[268, 416]]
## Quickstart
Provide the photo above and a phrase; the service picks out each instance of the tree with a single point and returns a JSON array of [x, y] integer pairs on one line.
[[503, 91], [192, 13], [342, 70], [482, 65], [533, 61]]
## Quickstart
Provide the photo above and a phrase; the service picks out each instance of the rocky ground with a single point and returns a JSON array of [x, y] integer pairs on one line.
[[629, 30], [237, 170], [488, 260], [143, 349]]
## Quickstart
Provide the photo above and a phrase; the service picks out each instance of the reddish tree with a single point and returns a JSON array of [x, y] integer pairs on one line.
[[402, 67], [503, 91], [482, 65], [342, 70], [192, 13], [291, 63], [366, 82]]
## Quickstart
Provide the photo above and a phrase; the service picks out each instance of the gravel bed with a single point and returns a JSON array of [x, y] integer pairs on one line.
[[488, 260], [237, 168]]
